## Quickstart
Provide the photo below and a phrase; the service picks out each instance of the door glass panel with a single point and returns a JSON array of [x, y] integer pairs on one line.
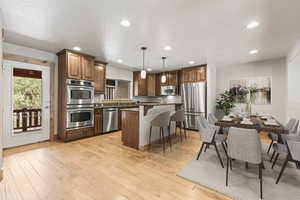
[[27, 100]]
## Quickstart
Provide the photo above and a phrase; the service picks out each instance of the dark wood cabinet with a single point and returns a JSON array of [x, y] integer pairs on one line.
[[194, 74], [172, 78], [98, 121], [158, 85], [73, 66], [139, 85], [151, 83], [130, 128], [100, 77], [79, 133], [87, 68], [78, 65]]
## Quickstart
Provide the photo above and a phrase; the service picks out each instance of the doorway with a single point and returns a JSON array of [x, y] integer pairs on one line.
[[27, 113]]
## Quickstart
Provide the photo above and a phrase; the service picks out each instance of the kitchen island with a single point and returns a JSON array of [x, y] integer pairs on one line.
[[136, 124]]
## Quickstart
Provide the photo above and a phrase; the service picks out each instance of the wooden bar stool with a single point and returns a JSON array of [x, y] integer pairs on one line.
[[162, 121], [179, 118]]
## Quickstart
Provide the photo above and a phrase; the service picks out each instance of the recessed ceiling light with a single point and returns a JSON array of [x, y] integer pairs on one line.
[[252, 24], [125, 23], [76, 48], [167, 48], [191, 62], [149, 69], [255, 51], [119, 60]]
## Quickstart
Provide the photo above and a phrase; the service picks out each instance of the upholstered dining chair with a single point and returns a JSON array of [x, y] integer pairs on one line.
[[293, 148], [162, 121], [292, 127], [212, 119], [281, 149], [244, 145], [179, 118], [209, 136]]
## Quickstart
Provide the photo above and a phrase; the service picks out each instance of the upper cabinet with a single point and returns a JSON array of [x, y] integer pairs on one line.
[[100, 77], [73, 65], [88, 68], [78, 66], [151, 83], [193, 74], [172, 78], [139, 85]]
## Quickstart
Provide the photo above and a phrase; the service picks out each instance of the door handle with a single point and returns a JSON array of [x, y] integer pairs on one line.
[[46, 107]]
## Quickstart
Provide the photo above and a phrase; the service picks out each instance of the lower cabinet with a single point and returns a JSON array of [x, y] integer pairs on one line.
[[98, 121], [79, 133], [130, 128]]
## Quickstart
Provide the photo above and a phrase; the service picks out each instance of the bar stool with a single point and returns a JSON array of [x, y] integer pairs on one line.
[[179, 118], [162, 121]]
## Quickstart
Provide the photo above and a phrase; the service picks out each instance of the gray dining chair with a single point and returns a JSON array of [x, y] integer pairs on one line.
[[293, 148], [282, 149], [212, 120], [292, 127], [244, 145], [162, 121], [179, 118], [209, 136]]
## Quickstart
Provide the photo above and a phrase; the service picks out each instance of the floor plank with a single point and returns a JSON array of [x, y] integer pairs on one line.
[[101, 168]]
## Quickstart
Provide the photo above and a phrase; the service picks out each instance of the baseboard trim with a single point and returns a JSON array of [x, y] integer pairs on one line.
[[1, 174]]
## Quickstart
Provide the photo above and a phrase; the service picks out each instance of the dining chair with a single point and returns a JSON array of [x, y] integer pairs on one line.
[[212, 118], [162, 121], [292, 127], [293, 148], [209, 136], [244, 145], [179, 118], [282, 149]]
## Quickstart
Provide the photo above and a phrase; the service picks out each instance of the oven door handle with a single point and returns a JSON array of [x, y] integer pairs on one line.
[[80, 110]]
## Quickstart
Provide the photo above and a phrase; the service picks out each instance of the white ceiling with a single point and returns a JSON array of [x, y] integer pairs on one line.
[[210, 31]]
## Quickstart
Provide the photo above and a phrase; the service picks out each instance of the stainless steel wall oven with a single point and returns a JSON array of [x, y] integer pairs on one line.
[[79, 116], [80, 92]]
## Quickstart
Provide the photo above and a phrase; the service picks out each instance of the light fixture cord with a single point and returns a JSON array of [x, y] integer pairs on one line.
[[143, 59]]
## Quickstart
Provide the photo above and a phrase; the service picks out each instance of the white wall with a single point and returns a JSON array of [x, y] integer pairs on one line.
[[293, 82], [275, 68], [116, 73], [38, 54], [211, 88], [1, 96]]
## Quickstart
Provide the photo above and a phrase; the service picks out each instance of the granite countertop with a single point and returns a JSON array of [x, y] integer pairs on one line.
[[133, 105], [131, 109]]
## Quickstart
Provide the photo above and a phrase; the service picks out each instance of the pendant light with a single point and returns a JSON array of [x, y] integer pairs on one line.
[[143, 72], [164, 77]]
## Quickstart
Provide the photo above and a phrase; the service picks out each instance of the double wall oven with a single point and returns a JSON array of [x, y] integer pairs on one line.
[[80, 104]]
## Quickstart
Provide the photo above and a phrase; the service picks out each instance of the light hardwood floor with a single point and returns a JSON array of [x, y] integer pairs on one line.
[[100, 168]]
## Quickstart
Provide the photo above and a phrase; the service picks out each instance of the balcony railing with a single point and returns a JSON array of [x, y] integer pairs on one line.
[[27, 119]]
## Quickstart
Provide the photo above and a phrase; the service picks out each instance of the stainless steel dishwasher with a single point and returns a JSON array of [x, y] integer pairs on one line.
[[110, 119]]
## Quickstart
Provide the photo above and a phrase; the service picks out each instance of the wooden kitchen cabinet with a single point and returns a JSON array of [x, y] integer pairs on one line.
[[87, 67], [172, 78], [100, 77], [194, 74], [139, 85], [73, 66], [98, 119], [130, 128], [151, 82], [78, 65]]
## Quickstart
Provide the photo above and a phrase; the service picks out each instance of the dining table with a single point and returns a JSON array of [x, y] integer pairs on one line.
[[254, 122]]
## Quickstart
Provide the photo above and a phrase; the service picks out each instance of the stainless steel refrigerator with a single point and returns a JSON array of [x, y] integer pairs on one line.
[[194, 99]]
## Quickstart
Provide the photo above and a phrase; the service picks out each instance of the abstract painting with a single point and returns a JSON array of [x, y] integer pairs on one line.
[[256, 90]]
